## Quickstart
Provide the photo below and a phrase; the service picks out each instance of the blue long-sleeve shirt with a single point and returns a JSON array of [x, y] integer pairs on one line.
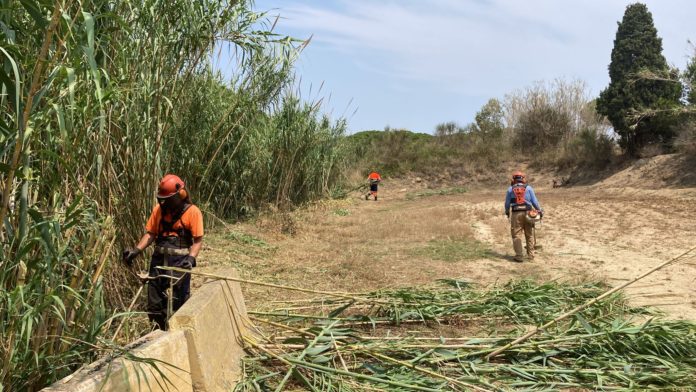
[[529, 198]]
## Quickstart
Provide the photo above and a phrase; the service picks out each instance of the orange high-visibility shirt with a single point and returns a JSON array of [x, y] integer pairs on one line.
[[374, 176], [191, 220]]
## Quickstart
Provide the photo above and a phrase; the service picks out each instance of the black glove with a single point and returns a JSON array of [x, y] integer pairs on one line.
[[541, 214], [129, 255], [188, 262], [507, 213]]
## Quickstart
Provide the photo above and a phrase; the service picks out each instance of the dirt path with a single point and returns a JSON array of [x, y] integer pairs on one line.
[[609, 234]]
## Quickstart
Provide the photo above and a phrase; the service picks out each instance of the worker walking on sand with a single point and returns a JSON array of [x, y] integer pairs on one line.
[[373, 179], [521, 202], [176, 228]]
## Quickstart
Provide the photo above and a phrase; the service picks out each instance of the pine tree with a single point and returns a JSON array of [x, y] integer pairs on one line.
[[638, 50]]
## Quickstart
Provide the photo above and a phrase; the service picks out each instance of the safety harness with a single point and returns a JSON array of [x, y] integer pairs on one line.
[[173, 244], [519, 203]]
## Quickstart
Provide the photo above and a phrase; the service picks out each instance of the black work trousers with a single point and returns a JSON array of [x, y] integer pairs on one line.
[[157, 299]]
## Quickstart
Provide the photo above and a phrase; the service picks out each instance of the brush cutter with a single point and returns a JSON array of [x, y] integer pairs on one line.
[[533, 217], [534, 229]]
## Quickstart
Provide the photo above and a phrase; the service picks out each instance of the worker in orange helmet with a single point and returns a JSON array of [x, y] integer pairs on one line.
[[176, 228], [522, 201], [373, 179]]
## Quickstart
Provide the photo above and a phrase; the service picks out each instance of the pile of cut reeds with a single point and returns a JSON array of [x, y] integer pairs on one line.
[[439, 338]]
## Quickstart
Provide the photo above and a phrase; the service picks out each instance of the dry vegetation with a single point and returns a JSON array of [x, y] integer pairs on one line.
[[399, 247], [551, 125]]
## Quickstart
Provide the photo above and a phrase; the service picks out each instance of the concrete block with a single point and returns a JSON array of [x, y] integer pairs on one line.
[[214, 320], [172, 371]]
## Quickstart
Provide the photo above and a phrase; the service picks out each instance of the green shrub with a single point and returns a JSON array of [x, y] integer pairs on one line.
[[589, 149], [396, 153]]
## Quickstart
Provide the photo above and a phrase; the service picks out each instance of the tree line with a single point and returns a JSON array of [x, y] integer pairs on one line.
[[648, 106]]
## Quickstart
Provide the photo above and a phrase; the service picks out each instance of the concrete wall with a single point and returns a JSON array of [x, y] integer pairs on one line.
[[201, 351], [214, 321], [125, 375]]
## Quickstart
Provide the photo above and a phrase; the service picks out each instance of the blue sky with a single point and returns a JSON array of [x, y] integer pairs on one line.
[[415, 64]]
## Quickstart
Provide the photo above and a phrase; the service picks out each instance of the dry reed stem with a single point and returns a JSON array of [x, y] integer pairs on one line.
[[277, 286], [130, 308]]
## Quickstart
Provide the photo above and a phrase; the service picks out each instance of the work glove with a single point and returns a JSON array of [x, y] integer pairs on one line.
[[507, 213], [129, 255], [188, 262]]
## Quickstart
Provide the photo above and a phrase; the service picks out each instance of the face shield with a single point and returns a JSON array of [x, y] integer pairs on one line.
[[171, 203]]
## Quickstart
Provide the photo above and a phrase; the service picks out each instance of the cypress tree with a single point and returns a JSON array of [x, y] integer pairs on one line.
[[637, 49], [690, 81]]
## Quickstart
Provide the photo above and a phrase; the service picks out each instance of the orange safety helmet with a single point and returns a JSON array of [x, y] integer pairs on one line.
[[170, 185], [518, 177]]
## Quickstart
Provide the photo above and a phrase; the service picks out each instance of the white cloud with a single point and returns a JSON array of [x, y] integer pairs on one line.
[[468, 45], [416, 63]]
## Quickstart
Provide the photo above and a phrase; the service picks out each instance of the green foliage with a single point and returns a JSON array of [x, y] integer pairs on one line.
[[689, 77], [341, 212], [588, 149], [637, 48], [246, 239], [288, 156], [551, 123], [448, 128], [51, 306], [556, 123], [394, 152], [490, 120]]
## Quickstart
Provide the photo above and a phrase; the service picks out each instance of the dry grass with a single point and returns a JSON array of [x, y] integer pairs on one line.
[[366, 246], [398, 242], [456, 249]]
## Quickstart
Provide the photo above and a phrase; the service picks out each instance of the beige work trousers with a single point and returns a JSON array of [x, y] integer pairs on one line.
[[519, 224]]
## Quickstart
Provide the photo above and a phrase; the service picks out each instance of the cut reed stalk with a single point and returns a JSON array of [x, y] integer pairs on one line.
[[278, 286], [588, 304]]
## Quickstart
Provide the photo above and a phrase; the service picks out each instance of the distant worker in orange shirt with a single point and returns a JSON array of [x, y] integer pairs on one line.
[[176, 228], [374, 179]]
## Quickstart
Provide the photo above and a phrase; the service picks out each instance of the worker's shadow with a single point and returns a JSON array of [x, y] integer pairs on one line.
[[500, 256]]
